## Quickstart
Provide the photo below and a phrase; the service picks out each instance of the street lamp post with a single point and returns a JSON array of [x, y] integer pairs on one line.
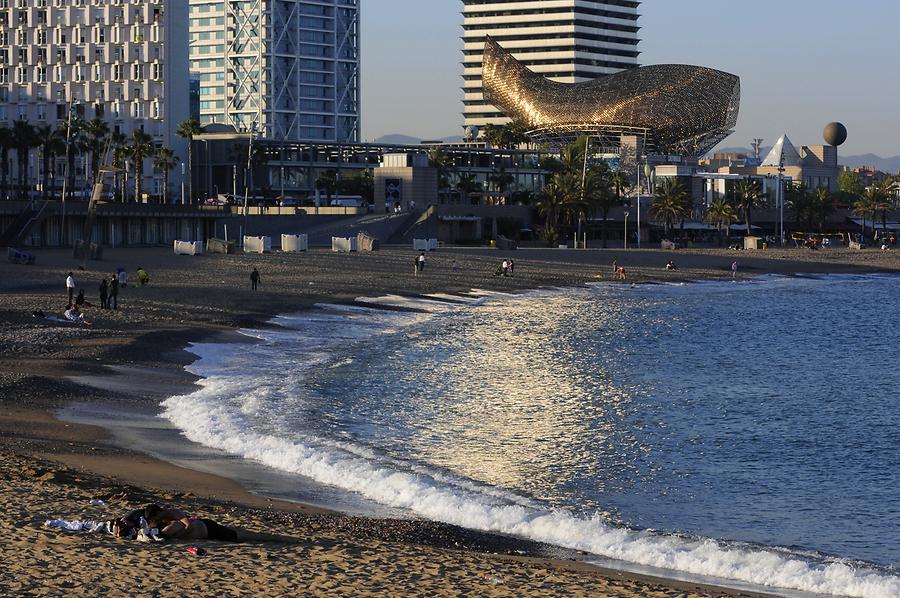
[[62, 232], [780, 195], [626, 230], [182, 183]]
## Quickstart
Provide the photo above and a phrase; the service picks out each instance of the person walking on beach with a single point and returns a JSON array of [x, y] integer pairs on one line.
[[421, 262], [734, 268], [615, 266], [511, 267], [123, 278], [142, 276], [254, 279], [70, 286], [104, 294], [113, 302]]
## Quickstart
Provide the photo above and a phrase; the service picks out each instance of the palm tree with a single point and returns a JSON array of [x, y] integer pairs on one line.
[[599, 195], [327, 182], [823, 206], [164, 161], [119, 144], [506, 136], [749, 197], [466, 185], [551, 203], [864, 205], [141, 147], [96, 131], [443, 163], [618, 180], [6, 144], [720, 213], [188, 130], [884, 203], [23, 139], [799, 198], [71, 131], [572, 155], [672, 203], [51, 145], [501, 180]]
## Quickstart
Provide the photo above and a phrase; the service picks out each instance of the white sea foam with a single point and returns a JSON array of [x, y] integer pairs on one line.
[[219, 415]]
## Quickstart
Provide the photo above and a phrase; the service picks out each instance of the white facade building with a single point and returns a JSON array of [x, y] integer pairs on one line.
[[569, 41], [289, 70], [123, 61]]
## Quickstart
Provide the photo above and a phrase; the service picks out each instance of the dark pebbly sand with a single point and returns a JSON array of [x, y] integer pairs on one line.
[[53, 469]]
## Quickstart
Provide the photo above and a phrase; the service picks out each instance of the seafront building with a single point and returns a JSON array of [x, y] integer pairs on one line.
[[568, 41], [119, 61], [286, 70]]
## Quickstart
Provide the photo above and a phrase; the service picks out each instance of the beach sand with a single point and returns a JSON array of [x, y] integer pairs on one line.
[[52, 469]]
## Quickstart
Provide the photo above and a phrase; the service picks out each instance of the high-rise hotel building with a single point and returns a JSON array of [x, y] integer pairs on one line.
[[287, 69], [123, 61], [569, 41]]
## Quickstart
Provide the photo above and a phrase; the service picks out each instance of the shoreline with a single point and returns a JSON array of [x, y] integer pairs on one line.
[[87, 448]]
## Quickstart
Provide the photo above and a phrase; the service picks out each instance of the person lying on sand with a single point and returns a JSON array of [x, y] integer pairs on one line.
[[174, 524], [73, 315]]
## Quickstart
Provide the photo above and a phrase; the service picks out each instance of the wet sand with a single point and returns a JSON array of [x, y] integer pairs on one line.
[[52, 469]]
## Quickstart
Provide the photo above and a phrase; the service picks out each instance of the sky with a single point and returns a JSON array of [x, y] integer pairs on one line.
[[802, 63]]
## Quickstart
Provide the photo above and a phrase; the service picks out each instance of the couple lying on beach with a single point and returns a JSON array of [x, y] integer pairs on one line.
[[169, 523]]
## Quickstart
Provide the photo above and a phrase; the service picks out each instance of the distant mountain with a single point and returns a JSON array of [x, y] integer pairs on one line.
[[400, 139], [890, 165]]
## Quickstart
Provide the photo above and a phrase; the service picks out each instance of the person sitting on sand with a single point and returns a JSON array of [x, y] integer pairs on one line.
[[620, 274], [142, 276], [80, 301], [174, 524], [73, 315], [671, 265]]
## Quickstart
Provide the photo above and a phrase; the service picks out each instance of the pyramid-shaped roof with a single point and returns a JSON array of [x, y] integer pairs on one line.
[[783, 154]]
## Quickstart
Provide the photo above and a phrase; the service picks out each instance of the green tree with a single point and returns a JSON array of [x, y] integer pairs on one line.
[[141, 147], [96, 132], [360, 183], [508, 136], [720, 214], [24, 139], [600, 196], [119, 144], [866, 204], [443, 163], [52, 145], [468, 185], [327, 183], [822, 206], [671, 204], [850, 183], [188, 130], [749, 197], [551, 202], [7, 142], [164, 161], [884, 201]]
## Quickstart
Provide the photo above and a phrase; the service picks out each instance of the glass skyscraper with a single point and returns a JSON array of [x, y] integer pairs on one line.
[[287, 69]]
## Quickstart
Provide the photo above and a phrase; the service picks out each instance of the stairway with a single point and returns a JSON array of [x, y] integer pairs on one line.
[[22, 225]]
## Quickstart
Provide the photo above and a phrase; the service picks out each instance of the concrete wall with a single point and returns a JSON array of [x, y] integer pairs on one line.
[[419, 185]]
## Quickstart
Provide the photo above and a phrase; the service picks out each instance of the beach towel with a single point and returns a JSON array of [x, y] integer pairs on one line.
[[89, 526]]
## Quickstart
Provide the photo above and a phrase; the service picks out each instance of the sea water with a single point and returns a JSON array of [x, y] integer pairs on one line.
[[744, 431]]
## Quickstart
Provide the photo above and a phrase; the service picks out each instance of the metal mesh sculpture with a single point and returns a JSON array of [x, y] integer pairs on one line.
[[670, 108]]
